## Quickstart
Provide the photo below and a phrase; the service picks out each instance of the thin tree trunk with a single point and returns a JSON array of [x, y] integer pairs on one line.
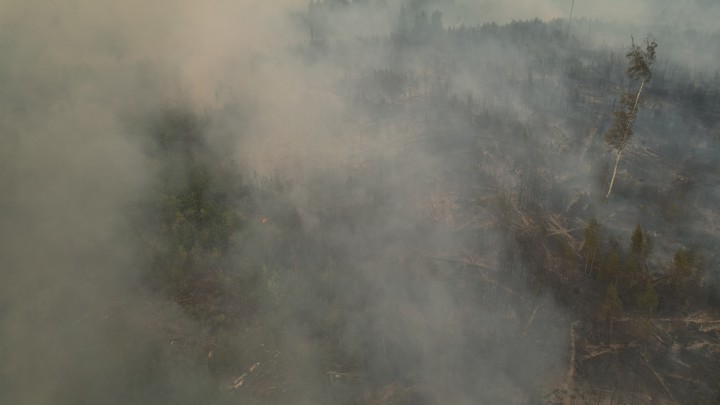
[[612, 179], [625, 136]]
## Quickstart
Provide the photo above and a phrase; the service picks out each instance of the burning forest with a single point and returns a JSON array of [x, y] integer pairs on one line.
[[366, 202]]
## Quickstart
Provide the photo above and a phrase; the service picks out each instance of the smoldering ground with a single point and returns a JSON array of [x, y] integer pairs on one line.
[[346, 258]]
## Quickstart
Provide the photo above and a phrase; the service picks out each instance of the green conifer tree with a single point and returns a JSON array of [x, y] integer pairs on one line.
[[640, 62]]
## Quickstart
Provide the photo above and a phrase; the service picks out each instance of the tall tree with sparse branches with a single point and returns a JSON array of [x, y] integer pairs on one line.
[[640, 62]]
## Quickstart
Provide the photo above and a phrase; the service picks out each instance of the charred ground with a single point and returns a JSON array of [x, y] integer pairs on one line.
[[427, 224]]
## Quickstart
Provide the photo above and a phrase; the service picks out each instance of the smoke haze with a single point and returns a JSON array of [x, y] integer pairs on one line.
[[362, 252]]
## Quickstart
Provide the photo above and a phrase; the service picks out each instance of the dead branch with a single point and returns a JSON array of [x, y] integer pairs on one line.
[[658, 377]]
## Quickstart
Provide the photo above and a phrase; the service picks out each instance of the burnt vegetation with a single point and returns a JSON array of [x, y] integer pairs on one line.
[[481, 243], [524, 192]]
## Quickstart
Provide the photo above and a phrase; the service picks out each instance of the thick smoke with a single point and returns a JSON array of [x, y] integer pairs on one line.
[[345, 171]]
